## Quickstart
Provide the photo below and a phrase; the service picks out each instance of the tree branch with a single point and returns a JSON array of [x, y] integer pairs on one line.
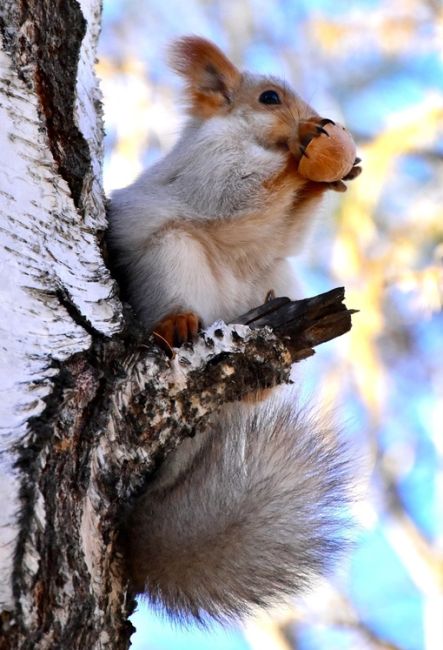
[[158, 401], [303, 323]]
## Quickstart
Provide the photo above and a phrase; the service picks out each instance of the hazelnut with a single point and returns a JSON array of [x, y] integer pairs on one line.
[[330, 157]]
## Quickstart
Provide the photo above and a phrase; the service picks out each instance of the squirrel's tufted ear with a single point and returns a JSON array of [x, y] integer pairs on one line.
[[211, 79]]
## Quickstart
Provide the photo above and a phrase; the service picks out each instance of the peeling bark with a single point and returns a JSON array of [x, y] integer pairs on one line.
[[92, 404]]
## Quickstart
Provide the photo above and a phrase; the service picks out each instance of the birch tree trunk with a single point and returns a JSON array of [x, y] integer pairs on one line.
[[56, 301], [89, 405]]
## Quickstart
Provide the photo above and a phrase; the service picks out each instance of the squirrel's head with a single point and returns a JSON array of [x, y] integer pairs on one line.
[[270, 110]]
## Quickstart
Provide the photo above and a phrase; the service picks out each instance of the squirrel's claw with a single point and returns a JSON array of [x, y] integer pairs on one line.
[[176, 329], [320, 129], [355, 171], [308, 130], [326, 120]]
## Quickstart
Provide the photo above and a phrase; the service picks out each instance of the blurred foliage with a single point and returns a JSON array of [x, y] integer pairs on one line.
[[376, 65]]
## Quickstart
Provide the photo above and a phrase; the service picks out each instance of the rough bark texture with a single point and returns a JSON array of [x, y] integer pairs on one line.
[[57, 297], [92, 406]]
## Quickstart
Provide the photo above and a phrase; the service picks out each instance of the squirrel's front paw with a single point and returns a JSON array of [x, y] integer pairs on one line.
[[326, 152], [339, 186], [176, 329]]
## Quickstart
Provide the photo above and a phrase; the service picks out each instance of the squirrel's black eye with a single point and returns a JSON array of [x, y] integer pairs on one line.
[[269, 97]]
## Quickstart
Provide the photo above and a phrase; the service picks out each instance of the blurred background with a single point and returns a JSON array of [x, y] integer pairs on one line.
[[377, 66]]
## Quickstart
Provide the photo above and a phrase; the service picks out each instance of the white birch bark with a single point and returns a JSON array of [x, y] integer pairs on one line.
[[50, 262]]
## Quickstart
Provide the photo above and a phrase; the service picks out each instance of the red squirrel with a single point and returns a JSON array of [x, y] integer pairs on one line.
[[249, 511]]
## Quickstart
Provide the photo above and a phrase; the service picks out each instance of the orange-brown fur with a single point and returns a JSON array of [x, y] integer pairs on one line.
[[194, 58]]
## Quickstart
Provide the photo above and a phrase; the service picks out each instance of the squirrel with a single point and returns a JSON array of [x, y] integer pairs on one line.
[[250, 510]]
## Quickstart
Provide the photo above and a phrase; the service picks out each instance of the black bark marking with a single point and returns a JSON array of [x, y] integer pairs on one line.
[[46, 54]]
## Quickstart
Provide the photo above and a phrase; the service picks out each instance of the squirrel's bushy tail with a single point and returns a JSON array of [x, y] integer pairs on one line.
[[260, 511]]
